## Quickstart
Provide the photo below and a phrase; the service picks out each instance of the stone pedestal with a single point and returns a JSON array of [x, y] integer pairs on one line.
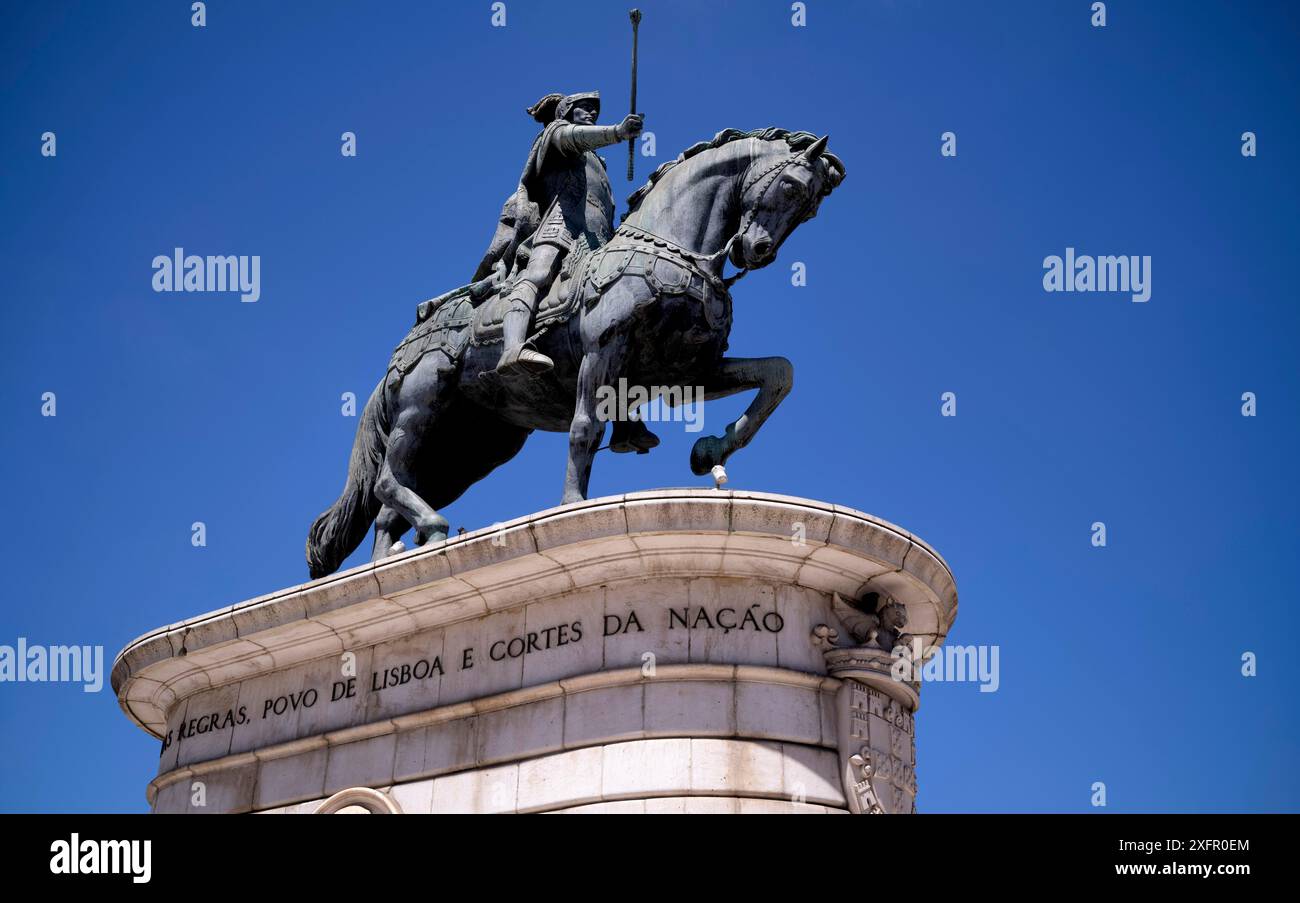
[[666, 651]]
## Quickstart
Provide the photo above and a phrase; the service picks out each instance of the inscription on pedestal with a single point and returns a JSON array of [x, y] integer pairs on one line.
[[416, 679]]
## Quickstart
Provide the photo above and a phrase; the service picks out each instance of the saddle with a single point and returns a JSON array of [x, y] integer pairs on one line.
[[452, 321], [557, 306]]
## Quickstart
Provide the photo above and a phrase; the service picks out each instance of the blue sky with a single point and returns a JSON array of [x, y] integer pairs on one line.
[[1118, 664]]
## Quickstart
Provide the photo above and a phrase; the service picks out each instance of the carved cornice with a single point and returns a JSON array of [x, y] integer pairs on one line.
[[607, 541]]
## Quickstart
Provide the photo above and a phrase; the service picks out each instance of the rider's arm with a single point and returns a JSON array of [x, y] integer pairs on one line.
[[574, 139]]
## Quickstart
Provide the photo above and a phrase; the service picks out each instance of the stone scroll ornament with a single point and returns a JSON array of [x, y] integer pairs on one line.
[[564, 306]]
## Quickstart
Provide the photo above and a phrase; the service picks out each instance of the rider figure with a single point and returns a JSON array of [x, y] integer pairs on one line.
[[567, 183]]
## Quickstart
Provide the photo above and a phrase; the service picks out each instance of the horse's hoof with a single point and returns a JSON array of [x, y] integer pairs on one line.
[[433, 536], [397, 548], [434, 529], [705, 453], [639, 441]]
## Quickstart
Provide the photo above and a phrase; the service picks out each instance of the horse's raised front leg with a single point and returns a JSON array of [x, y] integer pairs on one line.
[[772, 376]]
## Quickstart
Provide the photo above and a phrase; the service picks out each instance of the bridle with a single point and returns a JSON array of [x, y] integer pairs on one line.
[[764, 179], [711, 264]]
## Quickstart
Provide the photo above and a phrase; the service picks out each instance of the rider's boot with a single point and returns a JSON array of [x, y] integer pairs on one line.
[[516, 359]]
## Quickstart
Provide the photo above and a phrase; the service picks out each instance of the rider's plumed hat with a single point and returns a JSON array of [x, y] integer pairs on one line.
[[558, 106]]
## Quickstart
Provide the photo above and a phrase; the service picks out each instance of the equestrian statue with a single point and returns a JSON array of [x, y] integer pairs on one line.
[[562, 306]]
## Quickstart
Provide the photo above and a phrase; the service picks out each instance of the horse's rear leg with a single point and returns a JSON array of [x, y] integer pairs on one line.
[[389, 527], [423, 395], [772, 376]]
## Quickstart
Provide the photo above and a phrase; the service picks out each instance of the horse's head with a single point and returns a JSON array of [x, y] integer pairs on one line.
[[778, 193]]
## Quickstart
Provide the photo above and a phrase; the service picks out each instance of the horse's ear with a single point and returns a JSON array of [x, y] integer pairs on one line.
[[817, 148]]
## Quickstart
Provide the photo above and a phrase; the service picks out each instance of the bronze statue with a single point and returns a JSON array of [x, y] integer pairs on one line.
[[647, 302]]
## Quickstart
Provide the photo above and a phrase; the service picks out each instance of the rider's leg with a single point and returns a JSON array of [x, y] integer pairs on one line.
[[520, 307]]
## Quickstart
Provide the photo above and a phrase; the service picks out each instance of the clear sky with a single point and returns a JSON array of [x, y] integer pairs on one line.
[[1119, 664]]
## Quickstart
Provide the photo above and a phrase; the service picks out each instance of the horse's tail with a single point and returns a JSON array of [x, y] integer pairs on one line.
[[342, 527]]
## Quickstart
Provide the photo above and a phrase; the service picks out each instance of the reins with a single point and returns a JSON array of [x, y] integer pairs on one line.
[[712, 264]]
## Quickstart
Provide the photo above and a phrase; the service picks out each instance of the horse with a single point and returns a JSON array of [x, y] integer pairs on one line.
[[651, 306]]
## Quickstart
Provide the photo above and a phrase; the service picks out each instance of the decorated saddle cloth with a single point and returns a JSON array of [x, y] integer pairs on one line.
[[587, 272], [666, 268], [441, 324], [451, 321]]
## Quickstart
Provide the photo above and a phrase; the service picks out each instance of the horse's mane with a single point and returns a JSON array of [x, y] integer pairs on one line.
[[797, 141]]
